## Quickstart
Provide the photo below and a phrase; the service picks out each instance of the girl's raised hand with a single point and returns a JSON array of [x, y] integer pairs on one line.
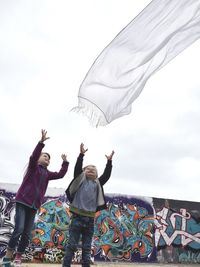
[[64, 157], [44, 136]]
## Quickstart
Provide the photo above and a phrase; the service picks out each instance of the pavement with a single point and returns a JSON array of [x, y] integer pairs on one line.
[[111, 264], [100, 264]]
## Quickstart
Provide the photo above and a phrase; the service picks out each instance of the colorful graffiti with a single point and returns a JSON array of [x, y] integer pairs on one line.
[[177, 228], [122, 232], [119, 232], [177, 235], [189, 256], [7, 213], [51, 225], [131, 229]]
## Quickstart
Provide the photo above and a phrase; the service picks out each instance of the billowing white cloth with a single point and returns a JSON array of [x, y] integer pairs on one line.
[[159, 33]]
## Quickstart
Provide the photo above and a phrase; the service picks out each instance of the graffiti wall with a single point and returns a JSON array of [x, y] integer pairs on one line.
[[132, 229]]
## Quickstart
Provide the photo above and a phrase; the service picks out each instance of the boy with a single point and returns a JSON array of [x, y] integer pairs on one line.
[[86, 196]]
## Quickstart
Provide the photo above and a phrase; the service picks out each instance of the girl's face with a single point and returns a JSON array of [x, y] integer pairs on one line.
[[91, 172], [44, 160]]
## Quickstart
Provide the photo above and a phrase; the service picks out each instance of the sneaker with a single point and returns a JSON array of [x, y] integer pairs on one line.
[[6, 262], [17, 263]]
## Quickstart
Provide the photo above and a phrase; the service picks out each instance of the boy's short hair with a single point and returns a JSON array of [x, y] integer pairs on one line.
[[92, 166], [88, 166]]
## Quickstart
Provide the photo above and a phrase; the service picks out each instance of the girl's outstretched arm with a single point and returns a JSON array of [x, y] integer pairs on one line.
[[44, 136], [38, 149], [64, 157], [63, 170]]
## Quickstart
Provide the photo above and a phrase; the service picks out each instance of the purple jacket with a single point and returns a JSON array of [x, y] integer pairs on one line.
[[36, 179]]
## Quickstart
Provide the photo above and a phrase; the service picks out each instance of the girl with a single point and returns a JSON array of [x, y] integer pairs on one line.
[[29, 198]]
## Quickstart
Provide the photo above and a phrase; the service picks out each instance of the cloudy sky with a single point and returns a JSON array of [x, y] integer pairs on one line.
[[46, 48]]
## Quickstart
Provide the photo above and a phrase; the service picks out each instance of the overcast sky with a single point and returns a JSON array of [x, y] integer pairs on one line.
[[46, 48]]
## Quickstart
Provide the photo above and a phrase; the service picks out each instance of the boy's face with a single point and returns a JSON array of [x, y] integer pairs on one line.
[[44, 160], [91, 172]]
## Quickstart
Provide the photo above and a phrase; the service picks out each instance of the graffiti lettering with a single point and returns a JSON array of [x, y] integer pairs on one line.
[[177, 228], [189, 257], [6, 219]]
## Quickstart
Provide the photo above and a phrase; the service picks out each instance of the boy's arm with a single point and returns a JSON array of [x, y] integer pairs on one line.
[[106, 174], [107, 171], [79, 163]]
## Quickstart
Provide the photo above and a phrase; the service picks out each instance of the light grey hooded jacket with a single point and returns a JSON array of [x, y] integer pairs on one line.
[[79, 177]]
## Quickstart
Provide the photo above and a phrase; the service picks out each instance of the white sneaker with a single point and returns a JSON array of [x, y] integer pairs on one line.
[[17, 263]]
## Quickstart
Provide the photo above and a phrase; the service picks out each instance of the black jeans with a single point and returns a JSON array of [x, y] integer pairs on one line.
[[79, 226]]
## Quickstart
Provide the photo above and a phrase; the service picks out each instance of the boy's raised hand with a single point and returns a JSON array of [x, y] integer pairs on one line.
[[44, 136], [82, 149], [110, 156]]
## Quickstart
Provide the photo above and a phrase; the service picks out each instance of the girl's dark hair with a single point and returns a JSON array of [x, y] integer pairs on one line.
[[26, 167], [47, 154]]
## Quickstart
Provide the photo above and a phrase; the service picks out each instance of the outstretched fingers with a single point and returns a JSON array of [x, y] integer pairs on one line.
[[64, 157], [109, 157], [82, 149], [44, 135]]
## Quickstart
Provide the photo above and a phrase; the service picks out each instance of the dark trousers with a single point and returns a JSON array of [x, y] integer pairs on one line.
[[24, 220], [79, 226]]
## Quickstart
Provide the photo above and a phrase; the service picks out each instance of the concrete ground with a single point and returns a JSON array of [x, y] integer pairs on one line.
[[113, 265], [110, 264]]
